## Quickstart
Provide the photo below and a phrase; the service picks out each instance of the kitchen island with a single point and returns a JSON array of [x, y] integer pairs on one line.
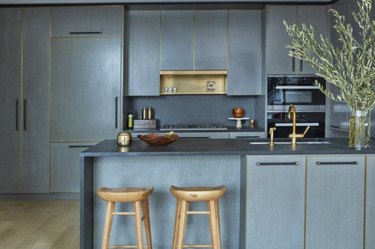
[[264, 206]]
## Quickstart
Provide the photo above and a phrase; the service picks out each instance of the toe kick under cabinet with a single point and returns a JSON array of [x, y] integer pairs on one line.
[[314, 202]]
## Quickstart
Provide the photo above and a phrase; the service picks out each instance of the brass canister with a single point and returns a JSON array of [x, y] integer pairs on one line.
[[124, 139]]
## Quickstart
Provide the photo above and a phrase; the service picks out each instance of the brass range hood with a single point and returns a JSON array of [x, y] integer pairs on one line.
[[193, 82]]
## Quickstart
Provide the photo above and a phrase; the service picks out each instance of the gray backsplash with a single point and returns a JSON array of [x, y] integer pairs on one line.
[[192, 109]]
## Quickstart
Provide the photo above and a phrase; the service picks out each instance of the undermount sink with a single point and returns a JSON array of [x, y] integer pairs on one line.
[[284, 141]]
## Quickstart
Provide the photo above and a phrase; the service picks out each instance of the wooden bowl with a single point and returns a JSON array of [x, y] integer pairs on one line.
[[238, 112], [157, 139]]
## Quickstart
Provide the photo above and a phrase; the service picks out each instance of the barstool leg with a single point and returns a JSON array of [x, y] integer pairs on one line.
[[107, 224], [176, 223], [146, 215], [182, 223], [138, 223], [218, 222], [214, 225]]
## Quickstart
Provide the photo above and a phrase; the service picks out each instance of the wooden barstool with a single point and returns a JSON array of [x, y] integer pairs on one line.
[[184, 196], [139, 197]]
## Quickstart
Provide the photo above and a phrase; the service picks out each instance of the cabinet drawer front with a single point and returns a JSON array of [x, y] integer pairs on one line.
[[65, 166], [87, 21]]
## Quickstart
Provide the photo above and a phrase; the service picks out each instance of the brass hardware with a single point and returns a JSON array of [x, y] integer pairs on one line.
[[272, 130], [294, 135], [124, 139], [193, 82]]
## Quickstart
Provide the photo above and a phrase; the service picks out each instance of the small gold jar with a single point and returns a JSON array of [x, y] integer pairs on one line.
[[124, 139]]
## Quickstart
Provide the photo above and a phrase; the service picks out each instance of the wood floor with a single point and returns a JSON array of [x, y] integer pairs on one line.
[[39, 224]]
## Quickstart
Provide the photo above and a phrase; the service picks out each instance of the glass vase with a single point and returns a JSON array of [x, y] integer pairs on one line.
[[359, 129]]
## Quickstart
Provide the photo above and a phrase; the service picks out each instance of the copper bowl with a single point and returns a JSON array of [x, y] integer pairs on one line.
[[238, 112], [157, 139]]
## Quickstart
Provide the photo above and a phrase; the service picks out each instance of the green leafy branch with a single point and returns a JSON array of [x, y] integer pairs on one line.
[[351, 66]]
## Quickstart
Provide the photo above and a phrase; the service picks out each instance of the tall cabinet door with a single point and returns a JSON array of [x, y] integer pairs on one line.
[[176, 40], [85, 88], [35, 152], [335, 202], [245, 52], [275, 193], [10, 100], [211, 42], [370, 203], [144, 53]]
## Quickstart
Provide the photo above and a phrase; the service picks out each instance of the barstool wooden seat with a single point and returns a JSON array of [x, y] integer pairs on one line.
[[184, 196], [139, 198]]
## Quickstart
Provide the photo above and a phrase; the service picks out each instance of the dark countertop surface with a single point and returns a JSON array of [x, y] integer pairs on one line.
[[204, 146], [230, 129]]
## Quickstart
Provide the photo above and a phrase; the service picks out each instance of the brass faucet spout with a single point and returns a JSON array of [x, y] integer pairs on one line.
[[292, 110]]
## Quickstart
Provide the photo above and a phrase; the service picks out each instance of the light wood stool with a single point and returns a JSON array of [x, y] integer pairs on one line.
[[184, 196], [139, 197]]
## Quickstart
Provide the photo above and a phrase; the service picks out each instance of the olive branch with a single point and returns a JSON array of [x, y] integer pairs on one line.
[[351, 66]]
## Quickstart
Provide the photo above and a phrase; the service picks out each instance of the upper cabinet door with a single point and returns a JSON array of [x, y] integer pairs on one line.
[[245, 52], [211, 42], [308, 15], [143, 53], [176, 40], [277, 39], [277, 59], [87, 21]]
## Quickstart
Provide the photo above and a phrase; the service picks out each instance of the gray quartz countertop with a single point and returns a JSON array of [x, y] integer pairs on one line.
[[204, 146]]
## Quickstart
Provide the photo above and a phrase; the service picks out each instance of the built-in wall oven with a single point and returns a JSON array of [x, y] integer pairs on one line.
[[310, 104]]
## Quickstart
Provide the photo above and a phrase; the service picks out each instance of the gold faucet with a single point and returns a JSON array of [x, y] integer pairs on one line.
[[272, 130], [294, 135]]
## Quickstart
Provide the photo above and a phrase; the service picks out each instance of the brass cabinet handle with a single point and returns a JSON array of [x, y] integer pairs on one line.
[[277, 163]]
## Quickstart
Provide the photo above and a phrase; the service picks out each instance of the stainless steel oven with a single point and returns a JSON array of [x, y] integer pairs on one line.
[[316, 121], [300, 91], [310, 104]]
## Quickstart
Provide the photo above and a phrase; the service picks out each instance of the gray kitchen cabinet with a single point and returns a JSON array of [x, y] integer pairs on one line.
[[176, 40], [275, 211], [86, 78], [65, 166], [245, 52], [277, 39], [335, 201], [247, 134], [87, 21], [24, 84], [35, 142], [143, 53], [210, 41], [370, 203], [10, 100]]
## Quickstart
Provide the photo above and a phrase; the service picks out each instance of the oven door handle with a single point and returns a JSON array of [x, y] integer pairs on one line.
[[297, 124], [297, 87]]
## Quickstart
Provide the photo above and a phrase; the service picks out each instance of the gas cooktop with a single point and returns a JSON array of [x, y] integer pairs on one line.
[[200, 127]]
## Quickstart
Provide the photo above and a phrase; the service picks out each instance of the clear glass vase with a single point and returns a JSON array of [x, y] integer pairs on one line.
[[359, 129]]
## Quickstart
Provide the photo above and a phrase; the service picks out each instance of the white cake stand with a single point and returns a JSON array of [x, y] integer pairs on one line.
[[239, 121]]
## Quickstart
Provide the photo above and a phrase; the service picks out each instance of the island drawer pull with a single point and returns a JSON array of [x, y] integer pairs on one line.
[[80, 146], [337, 163], [277, 163], [17, 107]]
